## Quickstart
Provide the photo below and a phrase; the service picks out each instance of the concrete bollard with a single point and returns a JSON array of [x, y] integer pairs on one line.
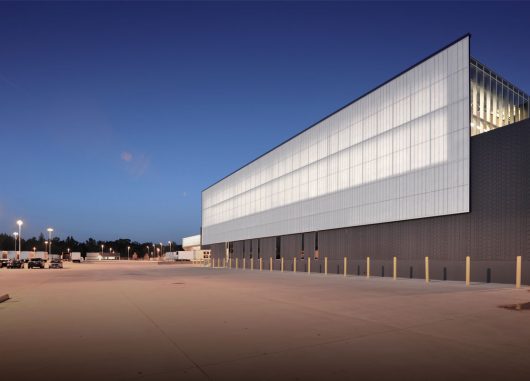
[[237, 263], [294, 264], [427, 279], [309, 265], [270, 263], [368, 267], [468, 271], [244, 263], [518, 266], [252, 263], [395, 269], [345, 266], [282, 264], [261, 264], [224, 262], [325, 265]]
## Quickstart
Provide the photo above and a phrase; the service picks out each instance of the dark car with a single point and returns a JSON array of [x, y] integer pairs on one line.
[[36, 262], [15, 264], [56, 264]]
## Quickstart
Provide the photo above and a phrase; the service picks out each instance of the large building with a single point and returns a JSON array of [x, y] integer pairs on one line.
[[434, 162]]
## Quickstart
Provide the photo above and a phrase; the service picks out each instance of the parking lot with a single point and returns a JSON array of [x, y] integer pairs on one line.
[[121, 321]]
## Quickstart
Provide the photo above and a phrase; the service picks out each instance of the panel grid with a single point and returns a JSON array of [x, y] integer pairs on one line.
[[400, 152]]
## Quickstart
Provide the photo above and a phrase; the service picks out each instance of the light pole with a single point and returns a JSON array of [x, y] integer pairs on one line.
[[68, 253], [169, 246], [161, 249], [19, 223], [34, 248], [50, 230], [102, 246], [46, 246], [128, 250], [16, 235], [154, 250]]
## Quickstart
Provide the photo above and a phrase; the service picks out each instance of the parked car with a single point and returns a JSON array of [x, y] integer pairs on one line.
[[56, 264], [3, 262], [36, 262], [15, 264]]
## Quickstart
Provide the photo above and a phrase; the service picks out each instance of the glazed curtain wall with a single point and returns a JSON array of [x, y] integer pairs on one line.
[[400, 152], [495, 102]]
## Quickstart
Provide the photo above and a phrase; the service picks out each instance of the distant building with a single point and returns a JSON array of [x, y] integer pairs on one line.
[[191, 243]]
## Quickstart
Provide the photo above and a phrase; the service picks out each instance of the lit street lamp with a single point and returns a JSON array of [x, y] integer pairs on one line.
[[46, 245], [102, 246], [34, 248], [169, 246], [19, 223], [50, 230], [128, 249]]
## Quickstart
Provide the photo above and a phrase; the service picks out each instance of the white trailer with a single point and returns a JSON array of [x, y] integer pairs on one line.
[[76, 257]]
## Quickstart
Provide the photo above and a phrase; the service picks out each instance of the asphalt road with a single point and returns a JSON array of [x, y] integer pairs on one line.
[[142, 321]]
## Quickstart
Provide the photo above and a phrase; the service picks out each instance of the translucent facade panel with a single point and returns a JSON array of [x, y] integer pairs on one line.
[[399, 152], [495, 102]]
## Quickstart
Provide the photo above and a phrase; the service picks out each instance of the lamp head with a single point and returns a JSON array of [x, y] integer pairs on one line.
[[20, 223]]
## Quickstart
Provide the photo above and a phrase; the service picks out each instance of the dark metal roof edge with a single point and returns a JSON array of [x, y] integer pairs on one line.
[[343, 107]]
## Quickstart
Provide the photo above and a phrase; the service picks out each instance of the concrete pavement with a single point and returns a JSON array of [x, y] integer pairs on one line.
[[128, 321]]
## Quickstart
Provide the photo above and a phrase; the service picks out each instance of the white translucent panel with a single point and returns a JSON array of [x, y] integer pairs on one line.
[[401, 161], [384, 166], [356, 175], [369, 171], [384, 144], [356, 155], [400, 152]]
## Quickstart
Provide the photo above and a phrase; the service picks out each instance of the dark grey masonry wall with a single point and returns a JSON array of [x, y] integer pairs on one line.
[[495, 231]]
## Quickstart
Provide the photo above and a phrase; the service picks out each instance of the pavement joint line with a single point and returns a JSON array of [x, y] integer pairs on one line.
[[196, 365]]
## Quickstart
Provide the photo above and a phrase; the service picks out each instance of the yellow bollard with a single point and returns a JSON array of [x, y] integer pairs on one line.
[[468, 271], [308, 265], [294, 264], [427, 270], [368, 267], [237, 263], [395, 268], [270, 263], [261, 264], [244, 263], [326, 265], [345, 266], [282, 264], [518, 266]]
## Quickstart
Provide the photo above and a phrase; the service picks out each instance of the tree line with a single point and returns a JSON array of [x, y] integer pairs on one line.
[[61, 246]]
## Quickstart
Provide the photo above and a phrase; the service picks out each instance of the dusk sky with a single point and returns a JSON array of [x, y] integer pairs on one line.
[[115, 116]]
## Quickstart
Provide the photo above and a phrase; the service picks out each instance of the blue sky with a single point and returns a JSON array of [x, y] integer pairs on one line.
[[114, 116]]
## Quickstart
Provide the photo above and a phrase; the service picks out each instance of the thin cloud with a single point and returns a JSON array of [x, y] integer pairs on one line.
[[135, 164], [126, 156]]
